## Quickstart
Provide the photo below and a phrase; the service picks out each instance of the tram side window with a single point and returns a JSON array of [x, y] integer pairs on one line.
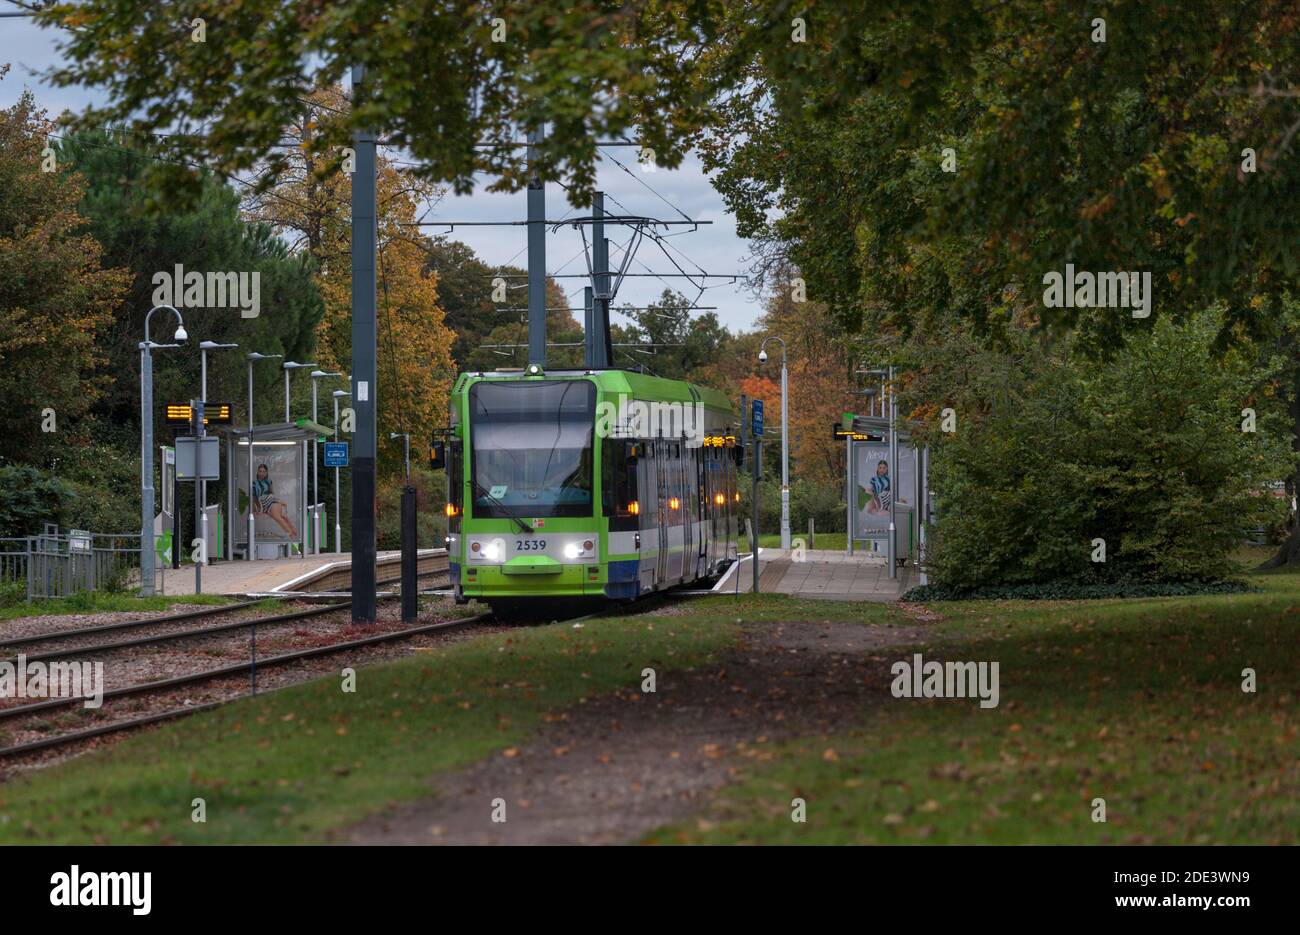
[[618, 484]]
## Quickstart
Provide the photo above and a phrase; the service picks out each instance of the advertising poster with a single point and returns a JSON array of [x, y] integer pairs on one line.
[[277, 492], [877, 487]]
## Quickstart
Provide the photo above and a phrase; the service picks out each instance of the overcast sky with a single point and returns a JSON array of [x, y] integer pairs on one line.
[[714, 248]]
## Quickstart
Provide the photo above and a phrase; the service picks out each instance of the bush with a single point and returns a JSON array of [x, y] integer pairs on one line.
[[12, 593], [105, 479], [1144, 451], [29, 498], [430, 504], [1071, 591], [823, 503]]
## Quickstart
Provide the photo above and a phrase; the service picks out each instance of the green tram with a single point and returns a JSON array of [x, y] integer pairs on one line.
[[586, 485]]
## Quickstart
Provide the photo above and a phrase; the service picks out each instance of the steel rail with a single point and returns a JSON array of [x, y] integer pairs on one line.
[[180, 634], [86, 733], [130, 624]]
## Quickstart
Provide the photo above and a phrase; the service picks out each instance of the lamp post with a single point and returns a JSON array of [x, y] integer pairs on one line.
[[252, 525], [315, 456], [204, 347], [785, 438], [891, 553], [289, 365], [146, 446], [338, 517]]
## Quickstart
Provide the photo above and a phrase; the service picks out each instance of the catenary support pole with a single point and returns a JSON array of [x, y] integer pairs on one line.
[[588, 329], [600, 272], [536, 257], [364, 391]]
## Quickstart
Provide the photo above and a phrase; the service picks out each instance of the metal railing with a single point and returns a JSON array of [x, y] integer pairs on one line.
[[60, 564]]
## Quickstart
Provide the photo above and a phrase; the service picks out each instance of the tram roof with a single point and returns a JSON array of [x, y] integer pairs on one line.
[[637, 385]]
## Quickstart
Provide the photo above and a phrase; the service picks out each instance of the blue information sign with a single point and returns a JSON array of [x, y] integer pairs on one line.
[[336, 454], [757, 421]]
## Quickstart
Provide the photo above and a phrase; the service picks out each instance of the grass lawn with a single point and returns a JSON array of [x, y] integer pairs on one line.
[[1139, 702], [823, 541], [290, 765], [96, 602]]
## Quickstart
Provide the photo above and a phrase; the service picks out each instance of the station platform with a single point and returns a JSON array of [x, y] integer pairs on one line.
[[823, 574], [272, 575]]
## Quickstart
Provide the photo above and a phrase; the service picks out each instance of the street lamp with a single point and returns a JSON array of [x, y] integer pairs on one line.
[[146, 446], [315, 479], [202, 519], [785, 438], [290, 365], [252, 525], [338, 517]]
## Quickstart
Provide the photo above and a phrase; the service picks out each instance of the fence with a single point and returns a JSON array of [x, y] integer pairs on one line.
[[59, 564]]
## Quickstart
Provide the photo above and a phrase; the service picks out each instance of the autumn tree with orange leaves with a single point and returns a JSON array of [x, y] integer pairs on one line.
[[311, 205], [821, 381]]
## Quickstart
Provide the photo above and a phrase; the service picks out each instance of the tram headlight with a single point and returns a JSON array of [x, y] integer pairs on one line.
[[492, 551], [574, 550]]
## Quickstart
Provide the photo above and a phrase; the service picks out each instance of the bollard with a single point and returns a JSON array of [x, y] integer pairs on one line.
[[410, 596]]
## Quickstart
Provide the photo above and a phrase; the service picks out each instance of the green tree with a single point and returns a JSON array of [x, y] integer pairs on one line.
[[30, 498], [685, 342], [956, 155], [207, 234], [505, 324], [442, 83], [56, 294]]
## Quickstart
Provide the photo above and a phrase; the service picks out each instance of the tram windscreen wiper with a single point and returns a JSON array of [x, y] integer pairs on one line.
[[523, 527]]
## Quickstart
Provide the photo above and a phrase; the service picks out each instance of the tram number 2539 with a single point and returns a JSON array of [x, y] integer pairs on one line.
[[530, 545]]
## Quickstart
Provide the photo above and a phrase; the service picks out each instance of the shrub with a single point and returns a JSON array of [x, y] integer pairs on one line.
[[1144, 451], [430, 503], [12, 593], [29, 498], [1072, 591]]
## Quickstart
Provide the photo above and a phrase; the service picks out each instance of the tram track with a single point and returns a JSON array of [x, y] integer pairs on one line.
[[73, 737], [156, 638], [207, 675]]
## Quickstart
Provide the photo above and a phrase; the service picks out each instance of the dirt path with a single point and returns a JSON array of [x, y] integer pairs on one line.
[[613, 769]]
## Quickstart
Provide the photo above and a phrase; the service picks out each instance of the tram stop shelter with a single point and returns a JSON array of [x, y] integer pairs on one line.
[[887, 483], [287, 522]]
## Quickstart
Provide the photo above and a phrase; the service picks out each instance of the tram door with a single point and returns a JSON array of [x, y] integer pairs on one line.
[[661, 498], [700, 461], [691, 504]]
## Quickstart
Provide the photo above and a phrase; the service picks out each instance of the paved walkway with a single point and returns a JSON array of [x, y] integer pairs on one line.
[[831, 576], [250, 577]]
